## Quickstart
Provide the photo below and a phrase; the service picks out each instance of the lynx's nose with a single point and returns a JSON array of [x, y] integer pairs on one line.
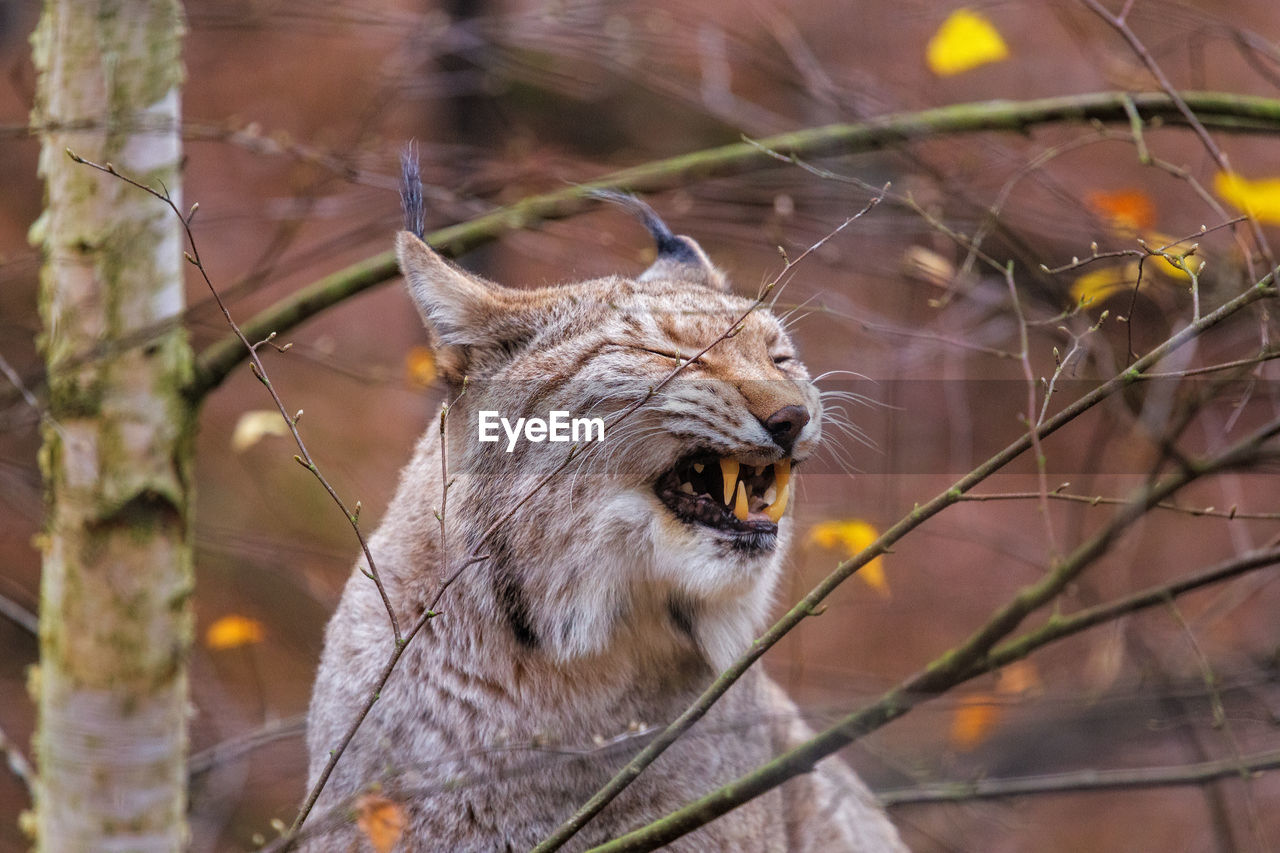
[[784, 425]]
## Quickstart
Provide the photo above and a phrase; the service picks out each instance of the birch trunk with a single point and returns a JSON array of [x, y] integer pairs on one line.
[[115, 614]]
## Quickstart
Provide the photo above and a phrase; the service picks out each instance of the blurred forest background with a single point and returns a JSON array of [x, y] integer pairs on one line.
[[295, 115]]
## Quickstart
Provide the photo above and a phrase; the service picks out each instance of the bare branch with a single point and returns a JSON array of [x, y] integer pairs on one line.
[[975, 656], [1231, 514], [1188, 114], [890, 707], [17, 763], [19, 615], [1024, 356], [1226, 112], [232, 748], [251, 349], [287, 841], [1084, 780]]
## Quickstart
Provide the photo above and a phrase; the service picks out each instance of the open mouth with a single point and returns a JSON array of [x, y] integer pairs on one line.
[[727, 495]]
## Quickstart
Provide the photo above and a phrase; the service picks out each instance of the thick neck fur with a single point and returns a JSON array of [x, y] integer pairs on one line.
[[552, 630], [617, 576]]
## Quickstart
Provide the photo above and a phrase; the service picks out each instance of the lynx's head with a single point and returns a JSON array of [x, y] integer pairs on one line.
[[678, 517]]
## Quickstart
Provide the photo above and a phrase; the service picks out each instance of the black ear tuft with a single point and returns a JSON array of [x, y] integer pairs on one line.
[[679, 257], [668, 243], [415, 214]]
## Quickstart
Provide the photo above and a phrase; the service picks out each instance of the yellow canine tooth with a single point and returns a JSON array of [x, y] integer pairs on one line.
[[740, 502], [782, 482], [782, 473], [729, 469], [779, 506]]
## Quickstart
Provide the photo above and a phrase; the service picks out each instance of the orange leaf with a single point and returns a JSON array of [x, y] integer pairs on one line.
[[974, 720], [965, 40], [978, 715], [420, 366], [1260, 198], [233, 631], [381, 820], [851, 536], [1127, 211]]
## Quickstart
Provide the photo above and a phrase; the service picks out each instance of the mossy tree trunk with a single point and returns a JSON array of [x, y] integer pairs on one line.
[[115, 613]]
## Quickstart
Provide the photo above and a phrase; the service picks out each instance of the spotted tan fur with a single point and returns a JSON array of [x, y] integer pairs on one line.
[[597, 608]]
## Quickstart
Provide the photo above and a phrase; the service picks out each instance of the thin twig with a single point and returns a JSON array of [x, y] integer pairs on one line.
[[15, 379], [19, 615], [1220, 719], [1231, 514], [812, 602], [287, 841], [896, 331], [777, 282], [1227, 112], [1061, 362], [976, 655], [1262, 358], [399, 645], [251, 351], [232, 748], [1084, 780], [992, 216], [18, 763], [1121, 26], [1042, 461], [1144, 251]]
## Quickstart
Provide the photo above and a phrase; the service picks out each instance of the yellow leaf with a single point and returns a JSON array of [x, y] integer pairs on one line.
[[1156, 240], [233, 631], [852, 536], [420, 367], [381, 820], [1260, 198], [1100, 284], [965, 40], [926, 265], [1126, 211], [254, 425], [974, 720], [873, 574]]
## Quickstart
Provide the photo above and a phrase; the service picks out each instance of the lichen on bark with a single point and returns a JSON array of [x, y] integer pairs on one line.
[[115, 621]]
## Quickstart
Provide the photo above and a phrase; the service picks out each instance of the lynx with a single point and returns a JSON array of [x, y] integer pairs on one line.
[[607, 596]]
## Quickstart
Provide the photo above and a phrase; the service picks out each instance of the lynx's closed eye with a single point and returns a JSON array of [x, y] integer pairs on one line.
[[671, 354], [780, 360]]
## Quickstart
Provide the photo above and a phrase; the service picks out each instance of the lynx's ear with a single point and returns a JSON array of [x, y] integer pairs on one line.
[[680, 258], [466, 315]]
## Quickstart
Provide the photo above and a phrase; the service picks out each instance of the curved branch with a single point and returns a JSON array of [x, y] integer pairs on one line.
[[237, 747], [1084, 780], [965, 661], [894, 704], [1219, 110]]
